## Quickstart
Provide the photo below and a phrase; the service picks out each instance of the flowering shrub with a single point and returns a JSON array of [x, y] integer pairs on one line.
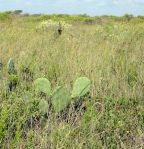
[[50, 24]]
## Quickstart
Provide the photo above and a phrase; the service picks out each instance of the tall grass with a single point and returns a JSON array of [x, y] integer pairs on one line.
[[111, 55]]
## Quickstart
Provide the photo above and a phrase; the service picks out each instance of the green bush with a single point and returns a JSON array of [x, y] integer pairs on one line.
[[5, 17]]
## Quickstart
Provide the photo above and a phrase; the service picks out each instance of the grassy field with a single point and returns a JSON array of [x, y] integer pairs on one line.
[[111, 55]]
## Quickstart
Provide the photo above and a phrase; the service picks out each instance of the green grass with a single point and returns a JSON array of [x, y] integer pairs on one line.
[[111, 55]]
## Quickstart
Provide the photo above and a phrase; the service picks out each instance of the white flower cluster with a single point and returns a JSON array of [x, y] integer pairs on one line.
[[50, 24]]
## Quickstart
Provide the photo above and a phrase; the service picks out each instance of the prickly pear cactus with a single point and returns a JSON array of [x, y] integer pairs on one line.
[[11, 67], [81, 87], [42, 85], [43, 106], [61, 99]]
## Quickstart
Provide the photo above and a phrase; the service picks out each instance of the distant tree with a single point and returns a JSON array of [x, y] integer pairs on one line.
[[141, 17], [128, 17], [25, 15], [84, 15], [36, 15], [105, 15], [17, 12], [8, 12]]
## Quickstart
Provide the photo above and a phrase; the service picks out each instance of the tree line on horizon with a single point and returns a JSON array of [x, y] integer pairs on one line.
[[9, 15]]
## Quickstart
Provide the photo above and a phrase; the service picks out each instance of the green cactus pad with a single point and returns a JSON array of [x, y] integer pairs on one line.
[[42, 85], [43, 107], [61, 99], [81, 87]]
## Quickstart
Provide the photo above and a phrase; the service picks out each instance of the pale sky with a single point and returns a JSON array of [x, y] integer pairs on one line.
[[90, 7]]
